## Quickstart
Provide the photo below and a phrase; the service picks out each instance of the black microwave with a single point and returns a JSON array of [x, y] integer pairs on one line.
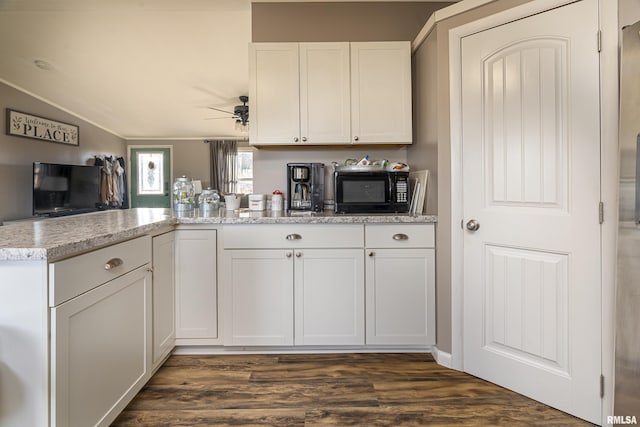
[[371, 192]]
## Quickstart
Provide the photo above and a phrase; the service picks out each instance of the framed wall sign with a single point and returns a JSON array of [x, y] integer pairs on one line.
[[34, 127]]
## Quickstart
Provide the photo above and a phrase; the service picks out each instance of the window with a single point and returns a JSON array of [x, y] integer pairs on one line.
[[150, 173], [244, 172]]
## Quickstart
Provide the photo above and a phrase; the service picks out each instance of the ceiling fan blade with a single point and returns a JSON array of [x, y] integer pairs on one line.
[[221, 110]]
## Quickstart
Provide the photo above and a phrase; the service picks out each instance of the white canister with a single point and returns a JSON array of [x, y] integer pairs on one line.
[[277, 202], [257, 202], [232, 201]]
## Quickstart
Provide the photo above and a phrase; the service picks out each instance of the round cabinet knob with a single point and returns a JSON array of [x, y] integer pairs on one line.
[[355, 138], [304, 139], [295, 139], [473, 225], [298, 254], [288, 254], [372, 254]]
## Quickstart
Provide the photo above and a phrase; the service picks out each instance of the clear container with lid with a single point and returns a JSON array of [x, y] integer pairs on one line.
[[183, 194], [209, 200]]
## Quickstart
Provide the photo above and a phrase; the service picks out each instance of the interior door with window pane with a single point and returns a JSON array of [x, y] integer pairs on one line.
[[150, 177]]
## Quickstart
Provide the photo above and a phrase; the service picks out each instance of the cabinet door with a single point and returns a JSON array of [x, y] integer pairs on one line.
[[164, 294], [329, 294], [400, 296], [381, 92], [274, 94], [259, 299], [196, 284], [99, 353], [325, 102]]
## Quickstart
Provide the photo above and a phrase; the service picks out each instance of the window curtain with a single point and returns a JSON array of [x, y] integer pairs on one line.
[[223, 156]]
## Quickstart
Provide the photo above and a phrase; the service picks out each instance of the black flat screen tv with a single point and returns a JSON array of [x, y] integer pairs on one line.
[[65, 189]]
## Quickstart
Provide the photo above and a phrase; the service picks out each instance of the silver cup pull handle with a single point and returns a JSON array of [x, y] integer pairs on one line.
[[400, 236], [294, 236], [113, 263]]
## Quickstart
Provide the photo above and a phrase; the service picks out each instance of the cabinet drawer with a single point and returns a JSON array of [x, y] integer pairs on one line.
[[276, 236], [74, 276], [399, 236]]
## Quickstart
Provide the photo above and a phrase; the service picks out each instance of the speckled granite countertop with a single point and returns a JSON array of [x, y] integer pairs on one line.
[[63, 236], [47, 239]]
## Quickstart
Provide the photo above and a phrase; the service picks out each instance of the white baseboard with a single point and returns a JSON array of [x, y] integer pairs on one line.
[[441, 357], [216, 349]]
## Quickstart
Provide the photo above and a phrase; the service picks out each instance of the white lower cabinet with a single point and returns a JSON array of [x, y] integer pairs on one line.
[[196, 286], [164, 296], [293, 285], [329, 297], [259, 303], [400, 285], [100, 338]]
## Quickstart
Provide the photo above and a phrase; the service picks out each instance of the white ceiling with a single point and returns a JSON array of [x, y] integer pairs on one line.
[[137, 68]]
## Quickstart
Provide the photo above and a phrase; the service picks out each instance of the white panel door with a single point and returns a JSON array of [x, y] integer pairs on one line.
[[401, 296], [329, 297], [258, 302], [196, 284], [531, 169], [325, 88], [274, 94], [381, 92]]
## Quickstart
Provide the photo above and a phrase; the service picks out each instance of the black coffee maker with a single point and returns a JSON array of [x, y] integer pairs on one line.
[[305, 187]]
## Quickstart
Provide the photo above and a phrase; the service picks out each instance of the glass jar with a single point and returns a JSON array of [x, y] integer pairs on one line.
[[209, 200], [183, 194]]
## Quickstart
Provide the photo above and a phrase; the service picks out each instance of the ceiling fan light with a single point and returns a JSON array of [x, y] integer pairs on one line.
[[241, 127]]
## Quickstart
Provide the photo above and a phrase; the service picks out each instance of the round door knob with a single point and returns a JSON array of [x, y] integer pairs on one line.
[[473, 225]]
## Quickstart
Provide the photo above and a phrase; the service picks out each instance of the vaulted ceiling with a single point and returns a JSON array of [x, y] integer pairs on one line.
[[145, 68]]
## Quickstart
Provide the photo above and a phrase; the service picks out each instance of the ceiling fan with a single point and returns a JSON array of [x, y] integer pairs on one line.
[[240, 113]]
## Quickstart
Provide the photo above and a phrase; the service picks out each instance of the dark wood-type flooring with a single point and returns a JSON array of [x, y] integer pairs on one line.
[[396, 390]]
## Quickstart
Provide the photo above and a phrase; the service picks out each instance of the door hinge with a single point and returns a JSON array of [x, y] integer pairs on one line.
[[601, 386], [599, 41], [601, 212]]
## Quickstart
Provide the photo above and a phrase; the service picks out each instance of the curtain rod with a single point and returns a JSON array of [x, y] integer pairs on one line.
[[206, 141]]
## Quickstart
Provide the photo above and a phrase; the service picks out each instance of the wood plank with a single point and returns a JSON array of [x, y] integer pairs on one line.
[[365, 389]]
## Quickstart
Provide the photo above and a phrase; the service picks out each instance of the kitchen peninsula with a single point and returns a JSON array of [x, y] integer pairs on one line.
[[103, 298]]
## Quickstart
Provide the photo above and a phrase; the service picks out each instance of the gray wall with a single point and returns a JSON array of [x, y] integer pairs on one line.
[[17, 154], [424, 152], [348, 21]]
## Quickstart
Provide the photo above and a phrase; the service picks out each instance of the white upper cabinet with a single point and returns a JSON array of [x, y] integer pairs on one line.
[[381, 93], [274, 92], [325, 101], [330, 93]]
